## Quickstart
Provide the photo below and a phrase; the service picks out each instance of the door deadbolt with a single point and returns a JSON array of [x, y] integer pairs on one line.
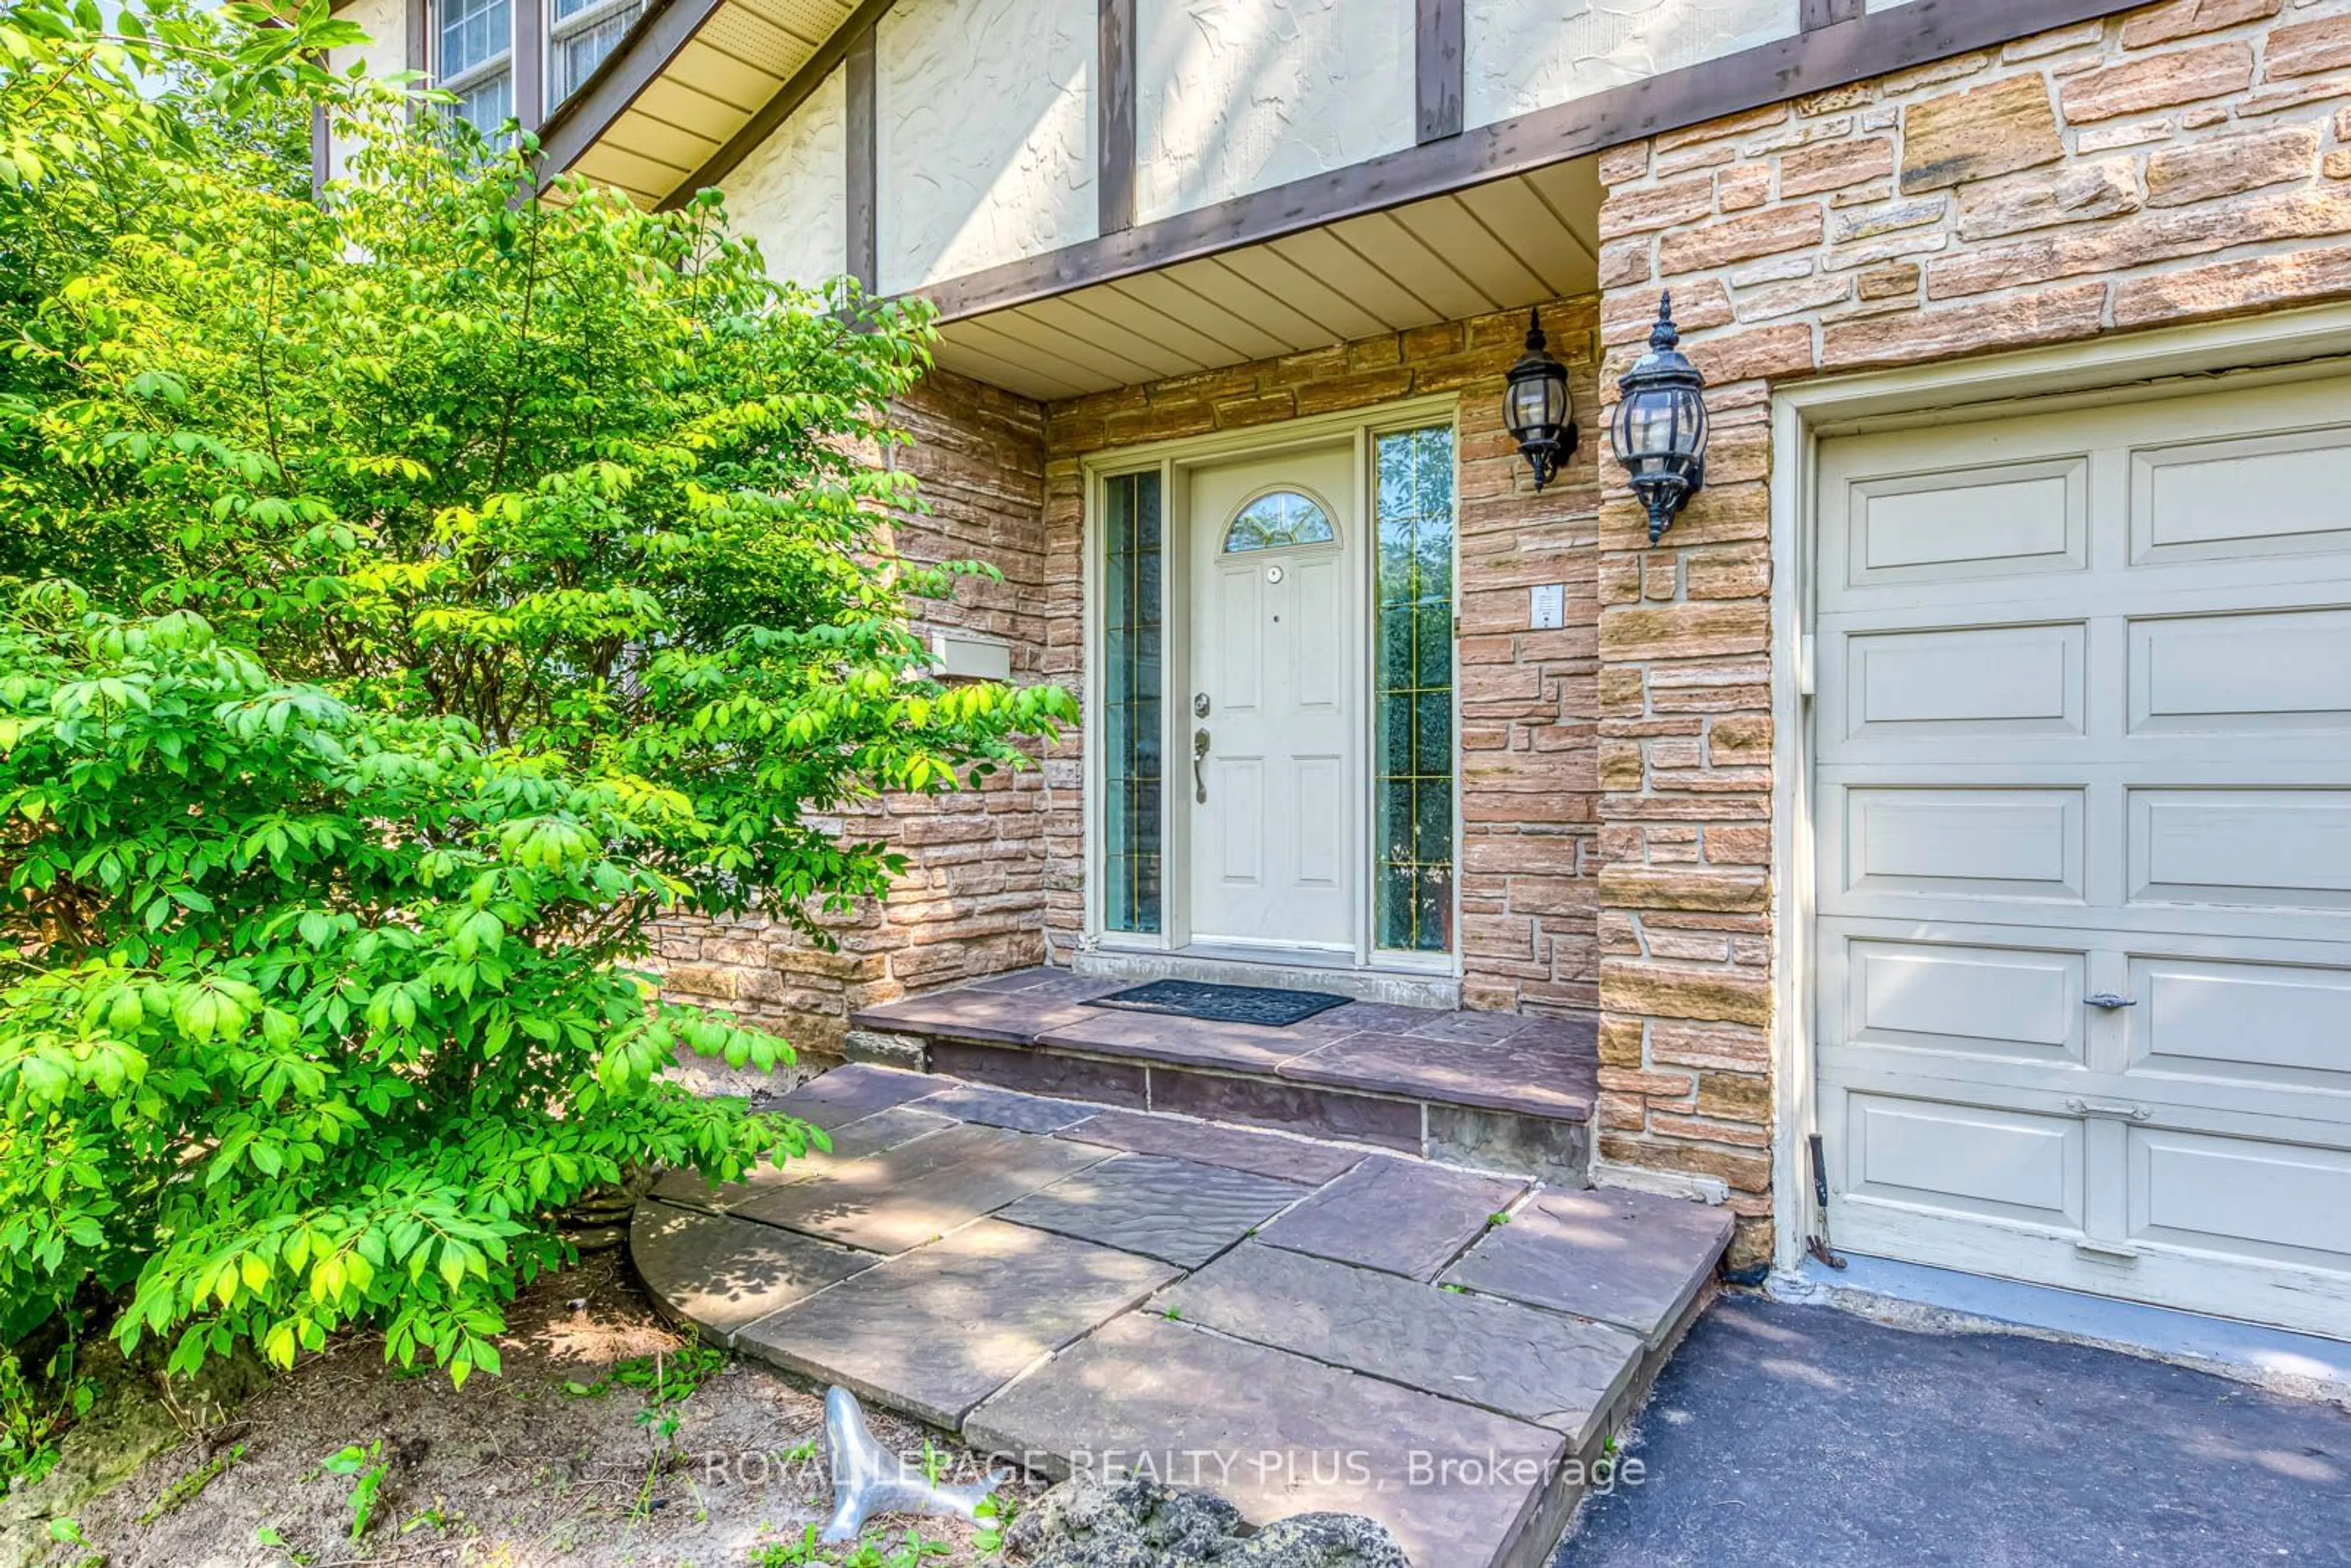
[[1201, 704]]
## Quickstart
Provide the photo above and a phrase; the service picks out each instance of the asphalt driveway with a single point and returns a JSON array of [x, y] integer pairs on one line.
[[1786, 1435]]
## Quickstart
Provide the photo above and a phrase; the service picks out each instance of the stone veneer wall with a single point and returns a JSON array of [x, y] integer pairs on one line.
[[1527, 699], [2186, 160], [972, 900]]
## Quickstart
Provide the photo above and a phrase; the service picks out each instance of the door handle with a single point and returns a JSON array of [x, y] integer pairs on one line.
[[2111, 1110], [2107, 1002], [1199, 770]]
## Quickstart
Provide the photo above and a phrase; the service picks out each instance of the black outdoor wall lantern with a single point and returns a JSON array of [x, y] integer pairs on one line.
[[1660, 432], [1536, 407]]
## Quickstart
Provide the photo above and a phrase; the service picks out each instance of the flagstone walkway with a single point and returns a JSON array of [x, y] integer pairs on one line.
[[1298, 1325]]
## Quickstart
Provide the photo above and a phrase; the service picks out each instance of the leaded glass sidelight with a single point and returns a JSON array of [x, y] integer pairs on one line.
[[1133, 559], [1413, 688]]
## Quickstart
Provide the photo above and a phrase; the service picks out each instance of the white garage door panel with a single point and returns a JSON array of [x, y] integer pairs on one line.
[[1991, 521], [1974, 1001], [2268, 495], [2280, 672], [1963, 843], [2084, 729], [2008, 1164], [2268, 848], [2266, 1200], [1983, 682], [2246, 1022]]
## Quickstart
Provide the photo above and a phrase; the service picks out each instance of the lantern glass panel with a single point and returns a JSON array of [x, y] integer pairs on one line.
[[1538, 404], [1690, 433], [1645, 427]]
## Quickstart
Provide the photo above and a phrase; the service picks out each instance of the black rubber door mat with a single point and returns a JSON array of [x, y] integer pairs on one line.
[[1219, 1004]]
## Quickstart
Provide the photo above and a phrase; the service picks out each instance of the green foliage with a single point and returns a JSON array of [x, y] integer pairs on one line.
[[190, 1487], [365, 1470], [36, 1410], [407, 598], [912, 1550], [307, 1038]]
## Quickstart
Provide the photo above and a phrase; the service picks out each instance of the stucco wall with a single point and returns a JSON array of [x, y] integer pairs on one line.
[[1525, 55], [2180, 162], [986, 133], [1233, 96], [792, 193], [385, 22], [1527, 699]]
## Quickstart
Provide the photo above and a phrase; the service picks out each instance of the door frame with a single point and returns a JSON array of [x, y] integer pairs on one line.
[[1174, 460], [2308, 343]]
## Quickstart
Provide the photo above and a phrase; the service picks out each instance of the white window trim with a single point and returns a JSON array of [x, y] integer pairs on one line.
[[555, 31], [501, 64], [2293, 344]]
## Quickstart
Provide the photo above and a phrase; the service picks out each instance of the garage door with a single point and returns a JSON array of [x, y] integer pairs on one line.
[[2082, 776]]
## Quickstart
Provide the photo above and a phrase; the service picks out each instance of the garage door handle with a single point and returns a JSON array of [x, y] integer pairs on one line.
[[2116, 1110], [2108, 1001]]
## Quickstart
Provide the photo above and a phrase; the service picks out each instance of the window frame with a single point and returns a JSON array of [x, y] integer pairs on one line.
[[555, 30], [506, 63], [1322, 508], [1175, 458]]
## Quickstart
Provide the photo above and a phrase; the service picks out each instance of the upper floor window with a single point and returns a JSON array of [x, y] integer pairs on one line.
[[476, 60], [579, 33]]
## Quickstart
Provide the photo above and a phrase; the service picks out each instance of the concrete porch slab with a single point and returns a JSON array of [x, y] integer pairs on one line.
[[1280, 1434], [1400, 1217], [937, 1331], [1543, 1072], [1209, 1143], [721, 1274], [1039, 1293], [917, 1192], [1517, 1091], [1632, 1259], [1540, 1367], [1173, 1210]]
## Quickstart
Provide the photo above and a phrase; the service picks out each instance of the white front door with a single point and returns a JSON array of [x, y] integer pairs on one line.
[[2083, 811], [1267, 759]]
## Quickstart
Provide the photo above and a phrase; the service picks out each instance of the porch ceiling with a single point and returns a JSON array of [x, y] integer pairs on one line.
[[736, 61], [1506, 244]]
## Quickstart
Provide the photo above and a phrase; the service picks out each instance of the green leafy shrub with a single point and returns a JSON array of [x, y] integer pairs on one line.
[[312, 1036], [418, 593]]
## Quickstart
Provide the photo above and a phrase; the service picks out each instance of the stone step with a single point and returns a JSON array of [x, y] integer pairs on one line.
[[1494, 1091], [1295, 1324]]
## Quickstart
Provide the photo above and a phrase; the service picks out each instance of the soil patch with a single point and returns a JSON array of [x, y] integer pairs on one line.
[[560, 1461]]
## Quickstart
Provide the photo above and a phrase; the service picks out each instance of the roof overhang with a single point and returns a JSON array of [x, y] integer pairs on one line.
[[1505, 245], [694, 87]]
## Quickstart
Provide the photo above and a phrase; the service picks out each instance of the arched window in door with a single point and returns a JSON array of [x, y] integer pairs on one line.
[[1279, 519]]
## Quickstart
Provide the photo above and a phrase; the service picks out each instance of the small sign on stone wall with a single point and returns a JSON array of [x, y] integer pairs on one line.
[[971, 658]]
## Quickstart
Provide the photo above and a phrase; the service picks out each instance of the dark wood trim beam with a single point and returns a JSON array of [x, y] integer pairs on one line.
[[1114, 134], [1870, 46], [779, 108], [665, 28], [321, 151], [1438, 68], [1816, 14], [864, 174], [417, 46], [529, 62]]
